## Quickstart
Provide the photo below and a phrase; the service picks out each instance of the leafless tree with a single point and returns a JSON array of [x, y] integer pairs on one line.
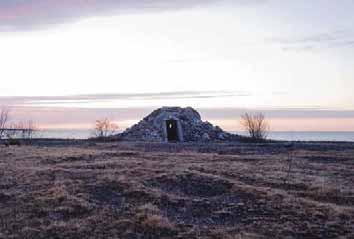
[[256, 125], [105, 128], [31, 129], [4, 119], [24, 130]]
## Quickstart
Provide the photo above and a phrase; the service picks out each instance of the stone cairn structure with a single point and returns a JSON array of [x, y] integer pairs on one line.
[[175, 124]]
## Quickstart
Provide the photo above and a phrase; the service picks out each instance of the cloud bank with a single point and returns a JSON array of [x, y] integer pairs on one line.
[[12, 101], [29, 14], [73, 110], [227, 118], [325, 40], [70, 112]]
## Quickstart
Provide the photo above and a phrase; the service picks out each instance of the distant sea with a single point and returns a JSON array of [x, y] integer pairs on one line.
[[309, 136], [295, 135]]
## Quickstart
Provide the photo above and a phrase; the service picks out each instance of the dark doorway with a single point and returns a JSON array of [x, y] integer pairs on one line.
[[172, 131]]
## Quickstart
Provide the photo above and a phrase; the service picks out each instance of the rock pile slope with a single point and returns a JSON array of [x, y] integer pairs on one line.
[[180, 124]]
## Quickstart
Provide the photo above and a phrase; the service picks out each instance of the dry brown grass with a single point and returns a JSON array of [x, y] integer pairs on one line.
[[136, 190]]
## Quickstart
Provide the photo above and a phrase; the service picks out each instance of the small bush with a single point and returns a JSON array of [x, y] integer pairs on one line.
[[13, 142]]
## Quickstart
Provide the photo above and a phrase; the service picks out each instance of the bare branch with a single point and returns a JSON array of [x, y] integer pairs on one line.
[[4, 119], [24, 130], [105, 128], [256, 125]]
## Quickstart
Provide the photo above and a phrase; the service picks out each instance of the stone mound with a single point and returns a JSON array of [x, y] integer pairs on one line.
[[175, 124]]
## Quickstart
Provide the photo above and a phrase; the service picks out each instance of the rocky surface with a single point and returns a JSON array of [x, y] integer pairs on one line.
[[151, 128]]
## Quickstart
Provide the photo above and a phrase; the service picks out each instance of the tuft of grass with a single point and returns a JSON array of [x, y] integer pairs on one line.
[[151, 223], [13, 142]]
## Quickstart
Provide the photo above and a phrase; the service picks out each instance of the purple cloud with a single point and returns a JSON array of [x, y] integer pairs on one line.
[[22, 15], [18, 14]]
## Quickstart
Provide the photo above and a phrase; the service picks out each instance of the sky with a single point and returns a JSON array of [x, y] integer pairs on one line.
[[66, 63]]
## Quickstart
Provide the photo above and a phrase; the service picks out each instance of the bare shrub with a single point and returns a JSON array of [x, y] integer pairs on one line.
[[105, 128], [4, 119], [152, 222], [256, 125], [24, 130]]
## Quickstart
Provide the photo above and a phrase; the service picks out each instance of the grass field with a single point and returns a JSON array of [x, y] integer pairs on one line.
[[139, 190]]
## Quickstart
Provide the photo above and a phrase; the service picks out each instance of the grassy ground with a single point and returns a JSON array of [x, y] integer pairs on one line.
[[138, 190]]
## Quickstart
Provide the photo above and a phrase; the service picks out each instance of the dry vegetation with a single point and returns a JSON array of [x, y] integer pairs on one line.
[[256, 125], [137, 190]]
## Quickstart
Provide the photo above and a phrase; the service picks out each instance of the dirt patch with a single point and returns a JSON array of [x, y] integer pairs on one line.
[[197, 212], [329, 195], [328, 159], [64, 159], [231, 209], [192, 184], [104, 195], [4, 197], [123, 154]]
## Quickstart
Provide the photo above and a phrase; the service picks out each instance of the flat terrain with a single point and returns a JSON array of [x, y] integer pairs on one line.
[[135, 190]]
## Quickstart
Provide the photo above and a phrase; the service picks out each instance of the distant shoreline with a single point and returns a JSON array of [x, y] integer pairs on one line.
[[211, 146], [317, 136]]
